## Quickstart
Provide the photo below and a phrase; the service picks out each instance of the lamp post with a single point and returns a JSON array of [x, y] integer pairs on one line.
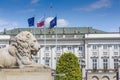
[[54, 74], [83, 70], [118, 73], [58, 74]]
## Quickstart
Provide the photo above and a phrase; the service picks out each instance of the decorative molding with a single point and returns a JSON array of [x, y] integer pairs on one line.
[[115, 57], [99, 45], [46, 57], [94, 57], [110, 45], [104, 57]]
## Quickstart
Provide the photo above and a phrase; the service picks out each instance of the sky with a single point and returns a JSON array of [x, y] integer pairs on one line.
[[99, 14]]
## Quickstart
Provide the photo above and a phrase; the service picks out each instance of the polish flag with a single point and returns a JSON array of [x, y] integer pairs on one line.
[[41, 23]]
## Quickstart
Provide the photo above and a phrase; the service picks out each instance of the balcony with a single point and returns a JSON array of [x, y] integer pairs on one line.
[[101, 70], [105, 70]]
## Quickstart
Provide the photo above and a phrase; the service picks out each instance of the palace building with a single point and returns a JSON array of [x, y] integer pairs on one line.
[[98, 51]]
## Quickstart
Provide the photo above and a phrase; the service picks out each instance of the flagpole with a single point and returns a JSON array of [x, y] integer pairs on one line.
[[54, 24], [44, 39], [56, 35], [41, 24], [34, 25], [51, 16], [34, 31]]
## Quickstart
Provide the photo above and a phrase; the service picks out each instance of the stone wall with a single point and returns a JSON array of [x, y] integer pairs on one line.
[[25, 74]]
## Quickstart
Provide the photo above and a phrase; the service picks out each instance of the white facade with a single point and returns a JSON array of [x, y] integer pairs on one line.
[[100, 48], [96, 52], [52, 52], [99, 52], [95, 46], [102, 53]]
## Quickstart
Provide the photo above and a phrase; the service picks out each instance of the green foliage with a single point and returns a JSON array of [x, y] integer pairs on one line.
[[68, 64]]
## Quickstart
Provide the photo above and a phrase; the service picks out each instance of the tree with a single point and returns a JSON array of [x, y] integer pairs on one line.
[[68, 64]]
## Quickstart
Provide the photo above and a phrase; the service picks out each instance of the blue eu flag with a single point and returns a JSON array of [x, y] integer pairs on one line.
[[53, 22], [31, 21]]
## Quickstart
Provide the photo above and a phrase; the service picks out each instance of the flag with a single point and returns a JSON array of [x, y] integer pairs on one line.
[[31, 21], [41, 23], [53, 22]]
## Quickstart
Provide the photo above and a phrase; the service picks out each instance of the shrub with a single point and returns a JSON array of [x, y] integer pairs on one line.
[[68, 64]]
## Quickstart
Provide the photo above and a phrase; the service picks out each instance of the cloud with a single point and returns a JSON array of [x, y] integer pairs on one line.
[[3, 22], [14, 24], [97, 5], [7, 24], [34, 1], [60, 22], [26, 11]]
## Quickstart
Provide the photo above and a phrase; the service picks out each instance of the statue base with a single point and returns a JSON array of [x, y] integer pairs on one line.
[[25, 74]]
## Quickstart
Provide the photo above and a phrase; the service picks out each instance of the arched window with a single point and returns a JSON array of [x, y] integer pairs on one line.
[[105, 78], [95, 78]]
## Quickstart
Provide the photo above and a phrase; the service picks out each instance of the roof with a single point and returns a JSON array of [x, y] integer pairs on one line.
[[59, 30], [110, 35]]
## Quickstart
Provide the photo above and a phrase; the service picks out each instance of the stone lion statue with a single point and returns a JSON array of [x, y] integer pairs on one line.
[[20, 53]]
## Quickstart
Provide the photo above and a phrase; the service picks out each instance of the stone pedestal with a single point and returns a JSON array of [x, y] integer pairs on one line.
[[25, 74]]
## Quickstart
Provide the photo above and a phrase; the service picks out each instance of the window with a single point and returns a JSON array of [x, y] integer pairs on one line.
[[47, 62], [115, 46], [94, 47], [47, 48], [115, 63], [69, 48], [105, 46], [80, 62], [94, 62], [58, 48], [80, 48], [36, 61], [105, 63], [115, 53]]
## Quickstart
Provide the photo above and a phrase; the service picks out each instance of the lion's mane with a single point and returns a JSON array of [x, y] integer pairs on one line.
[[20, 53]]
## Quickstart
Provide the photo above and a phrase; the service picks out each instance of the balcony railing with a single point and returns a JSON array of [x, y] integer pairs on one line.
[[101, 70]]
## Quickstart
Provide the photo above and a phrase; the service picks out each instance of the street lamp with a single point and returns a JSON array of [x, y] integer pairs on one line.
[[54, 74], [84, 75]]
